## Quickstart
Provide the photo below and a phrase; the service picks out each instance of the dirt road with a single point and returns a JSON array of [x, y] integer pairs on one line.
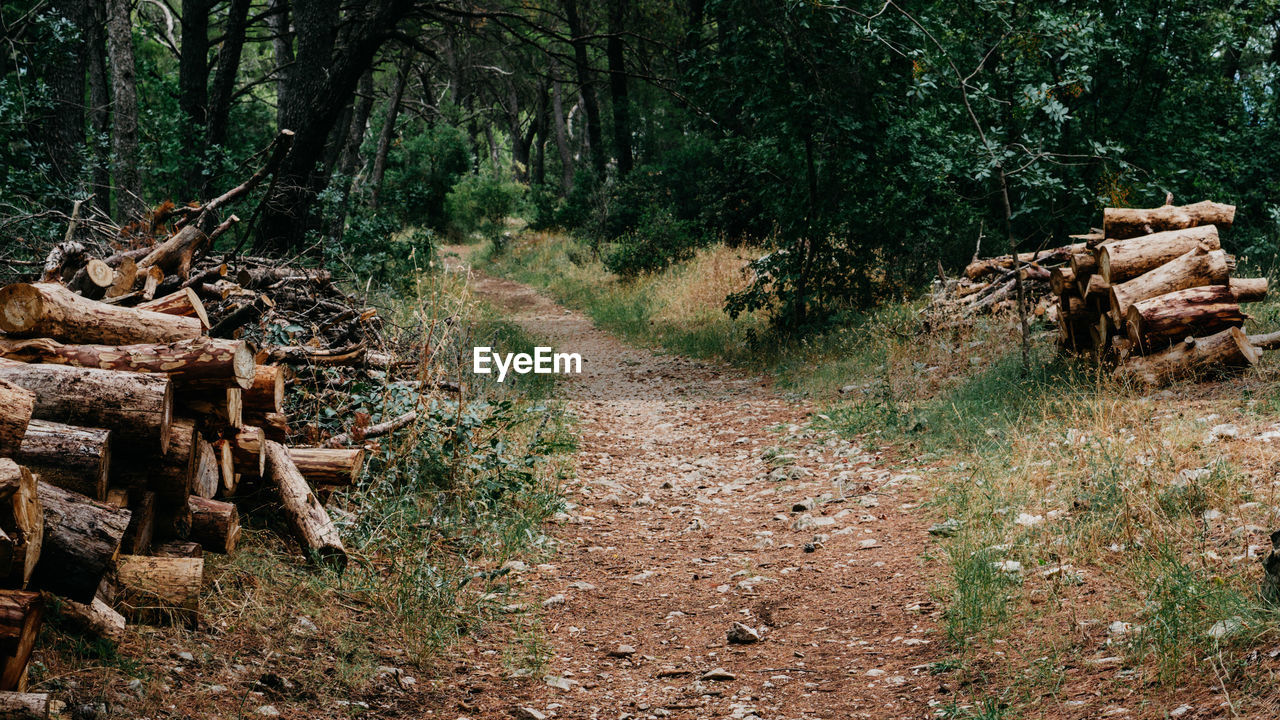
[[703, 499]]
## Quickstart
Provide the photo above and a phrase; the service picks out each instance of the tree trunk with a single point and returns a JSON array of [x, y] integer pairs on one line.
[[24, 706], [193, 89], [1249, 289], [227, 474], [618, 87], [175, 255], [1194, 357], [215, 525], [1122, 260], [1121, 223], [124, 145], [282, 50], [586, 85], [307, 517], [21, 524], [224, 77], [389, 128], [99, 106], [96, 618], [1084, 263], [248, 451], [16, 406], [73, 458], [137, 407], [51, 311], [173, 518], [1062, 280], [66, 78], [1156, 322], [160, 590], [1200, 266], [81, 540], [190, 364], [274, 425], [21, 614], [142, 524], [328, 466], [183, 302], [266, 393], [168, 473], [562, 137]]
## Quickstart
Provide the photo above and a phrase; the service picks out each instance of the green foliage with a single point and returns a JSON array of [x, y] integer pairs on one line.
[[481, 203], [657, 240], [421, 169]]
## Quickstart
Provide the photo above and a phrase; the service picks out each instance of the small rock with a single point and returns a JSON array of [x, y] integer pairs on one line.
[[582, 585], [1028, 520], [1012, 567], [186, 656], [622, 651], [875, 672], [1224, 628], [803, 506], [303, 624], [1225, 430], [554, 601], [527, 713], [868, 544], [946, 528], [741, 634], [1180, 711], [268, 711], [718, 674], [558, 682]]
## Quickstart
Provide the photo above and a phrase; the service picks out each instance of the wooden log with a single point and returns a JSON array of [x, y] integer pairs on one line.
[[92, 280], [21, 614], [168, 473], [94, 618], [160, 589], [1084, 264], [248, 452], [1121, 260], [142, 524], [1156, 322], [223, 408], [179, 548], [200, 363], [137, 407], [151, 279], [52, 311], [215, 524], [1247, 290], [173, 519], [183, 302], [274, 425], [228, 478], [73, 458], [258, 278], [81, 540], [265, 393], [1096, 290], [1227, 350], [308, 518], [207, 477], [24, 706], [16, 405], [1063, 281], [124, 277], [378, 430], [1120, 223], [1197, 267], [328, 466], [21, 524], [175, 254]]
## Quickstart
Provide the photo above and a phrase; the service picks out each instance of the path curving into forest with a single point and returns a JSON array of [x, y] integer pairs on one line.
[[687, 518]]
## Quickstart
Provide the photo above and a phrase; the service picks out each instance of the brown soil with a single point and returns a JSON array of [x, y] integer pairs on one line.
[[681, 523]]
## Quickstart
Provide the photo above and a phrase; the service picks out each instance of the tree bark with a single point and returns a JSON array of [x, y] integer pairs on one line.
[[21, 524], [142, 524], [1122, 260], [160, 590], [307, 517], [1226, 350], [275, 426], [16, 406], [66, 82], [51, 311], [222, 408], [81, 540], [586, 85], [124, 145], [24, 706], [137, 407], [1249, 289], [193, 89], [266, 393], [179, 548], [227, 474], [1062, 280], [328, 466], [388, 131], [1200, 266], [96, 618], [99, 106], [168, 473], [191, 364], [173, 518], [207, 477], [183, 302], [562, 137], [1121, 223], [248, 451], [614, 52], [21, 614], [1156, 322], [215, 525], [175, 255], [224, 77], [73, 458]]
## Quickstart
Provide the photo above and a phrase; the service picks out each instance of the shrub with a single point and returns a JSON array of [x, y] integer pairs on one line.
[[421, 170], [481, 203], [659, 239]]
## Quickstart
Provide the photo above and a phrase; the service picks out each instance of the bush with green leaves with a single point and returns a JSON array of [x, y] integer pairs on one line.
[[421, 170], [480, 204], [659, 239]]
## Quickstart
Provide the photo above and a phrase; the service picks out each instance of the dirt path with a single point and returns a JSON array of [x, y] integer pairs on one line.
[[686, 518]]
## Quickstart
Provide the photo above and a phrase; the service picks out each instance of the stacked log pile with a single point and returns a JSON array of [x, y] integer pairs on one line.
[[135, 409], [989, 286], [1154, 295]]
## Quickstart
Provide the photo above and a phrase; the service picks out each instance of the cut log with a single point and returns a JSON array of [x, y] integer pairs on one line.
[[16, 406], [160, 589], [328, 466], [274, 425], [21, 613], [123, 278], [1084, 264], [1063, 281], [73, 458], [215, 525], [1096, 291], [1121, 260], [258, 278], [168, 473], [138, 407], [248, 452], [228, 478], [179, 548], [173, 518], [201, 363], [266, 392], [1248, 290], [183, 302], [1156, 322], [151, 279], [1200, 266], [1120, 223], [142, 524], [95, 618], [378, 430], [92, 280], [1227, 350], [21, 524], [24, 706], [81, 540], [52, 311], [308, 518], [223, 408], [174, 255], [208, 476]]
